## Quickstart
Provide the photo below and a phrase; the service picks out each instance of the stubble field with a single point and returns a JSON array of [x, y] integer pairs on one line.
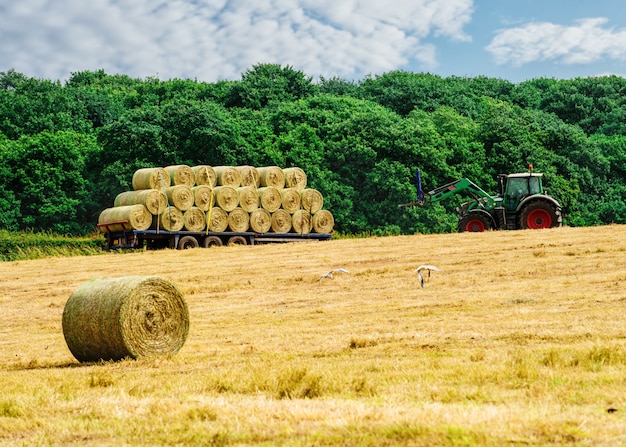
[[521, 340]]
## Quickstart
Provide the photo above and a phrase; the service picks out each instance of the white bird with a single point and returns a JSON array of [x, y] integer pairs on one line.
[[430, 268], [330, 274]]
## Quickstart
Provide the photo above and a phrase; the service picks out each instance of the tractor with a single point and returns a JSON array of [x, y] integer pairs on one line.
[[521, 203]]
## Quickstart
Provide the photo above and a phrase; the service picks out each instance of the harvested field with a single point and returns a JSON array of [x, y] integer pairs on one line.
[[521, 340]]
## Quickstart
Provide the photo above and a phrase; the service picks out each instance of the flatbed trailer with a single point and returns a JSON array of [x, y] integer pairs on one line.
[[159, 239]]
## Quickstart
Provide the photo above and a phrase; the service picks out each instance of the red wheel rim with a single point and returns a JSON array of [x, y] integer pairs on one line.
[[475, 226], [538, 219]]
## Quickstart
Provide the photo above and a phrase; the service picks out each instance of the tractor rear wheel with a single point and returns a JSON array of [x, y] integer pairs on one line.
[[474, 222], [538, 215]]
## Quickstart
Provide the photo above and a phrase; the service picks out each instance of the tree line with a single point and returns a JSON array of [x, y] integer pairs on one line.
[[67, 149]]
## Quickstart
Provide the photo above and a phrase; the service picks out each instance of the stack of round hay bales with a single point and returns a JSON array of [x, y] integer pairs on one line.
[[219, 199]]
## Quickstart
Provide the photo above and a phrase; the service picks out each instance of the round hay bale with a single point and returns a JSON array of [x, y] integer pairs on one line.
[[290, 199], [270, 198], [249, 176], [301, 222], [194, 219], [295, 178], [169, 220], [132, 316], [311, 200], [227, 176], [181, 175], [217, 219], [181, 196], [272, 176], [281, 221], [238, 220], [151, 178], [154, 200], [205, 175], [323, 222], [248, 198], [203, 197], [260, 220], [226, 197], [124, 218]]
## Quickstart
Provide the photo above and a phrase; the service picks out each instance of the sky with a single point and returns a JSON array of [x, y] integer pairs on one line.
[[213, 40]]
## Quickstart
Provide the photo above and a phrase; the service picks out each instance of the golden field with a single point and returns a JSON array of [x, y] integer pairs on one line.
[[521, 340]]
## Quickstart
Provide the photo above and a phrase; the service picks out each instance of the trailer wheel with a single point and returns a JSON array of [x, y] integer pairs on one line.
[[212, 241], [186, 242], [474, 222], [237, 240], [538, 215]]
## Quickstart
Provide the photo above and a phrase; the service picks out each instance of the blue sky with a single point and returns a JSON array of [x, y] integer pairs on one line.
[[211, 40]]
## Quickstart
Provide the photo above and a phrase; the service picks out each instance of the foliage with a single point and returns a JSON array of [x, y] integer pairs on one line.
[[66, 150]]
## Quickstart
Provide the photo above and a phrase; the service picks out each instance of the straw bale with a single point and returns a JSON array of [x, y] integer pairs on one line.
[[290, 199], [132, 316], [203, 197], [323, 222], [169, 220], [227, 176], [260, 220], [248, 198], [272, 176], [205, 175], [181, 175], [181, 196], [226, 197], [217, 219], [151, 178], [295, 178], [281, 221], [154, 200], [311, 200], [270, 198], [238, 220], [133, 217], [194, 219], [301, 222], [249, 176]]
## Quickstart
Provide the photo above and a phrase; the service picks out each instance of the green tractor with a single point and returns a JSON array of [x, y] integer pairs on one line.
[[521, 203]]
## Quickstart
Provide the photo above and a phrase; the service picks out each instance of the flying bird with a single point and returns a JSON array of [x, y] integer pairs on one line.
[[330, 274], [430, 268]]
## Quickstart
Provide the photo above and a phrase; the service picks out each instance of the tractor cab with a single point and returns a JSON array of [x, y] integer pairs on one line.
[[516, 187]]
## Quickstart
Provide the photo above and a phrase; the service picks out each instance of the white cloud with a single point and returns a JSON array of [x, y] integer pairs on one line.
[[585, 42], [218, 39]]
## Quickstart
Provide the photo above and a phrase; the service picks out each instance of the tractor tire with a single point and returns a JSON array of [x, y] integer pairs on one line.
[[538, 215], [212, 241], [475, 223], [187, 242]]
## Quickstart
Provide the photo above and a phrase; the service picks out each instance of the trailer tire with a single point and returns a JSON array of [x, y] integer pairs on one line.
[[475, 223], [237, 240], [212, 241], [538, 215], [186, 242]]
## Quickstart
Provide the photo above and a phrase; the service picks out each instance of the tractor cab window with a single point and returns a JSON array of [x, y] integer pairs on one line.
[[534, 185], [516, 189]]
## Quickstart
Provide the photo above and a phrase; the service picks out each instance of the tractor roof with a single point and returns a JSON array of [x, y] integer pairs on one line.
[[523, 174]]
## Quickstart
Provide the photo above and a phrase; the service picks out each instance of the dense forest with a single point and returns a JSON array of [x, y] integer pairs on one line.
[[67, 149]]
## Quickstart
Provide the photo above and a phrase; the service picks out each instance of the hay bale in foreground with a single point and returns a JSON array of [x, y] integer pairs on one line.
[[217, 219], [153, 199], [133, 316], [205, 175], [181, 175], [124, 218], [260, 220], [301, 222], [281, 221], [151, 178], [295, 178], [311, 200], [272, 176], [323, 222]]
